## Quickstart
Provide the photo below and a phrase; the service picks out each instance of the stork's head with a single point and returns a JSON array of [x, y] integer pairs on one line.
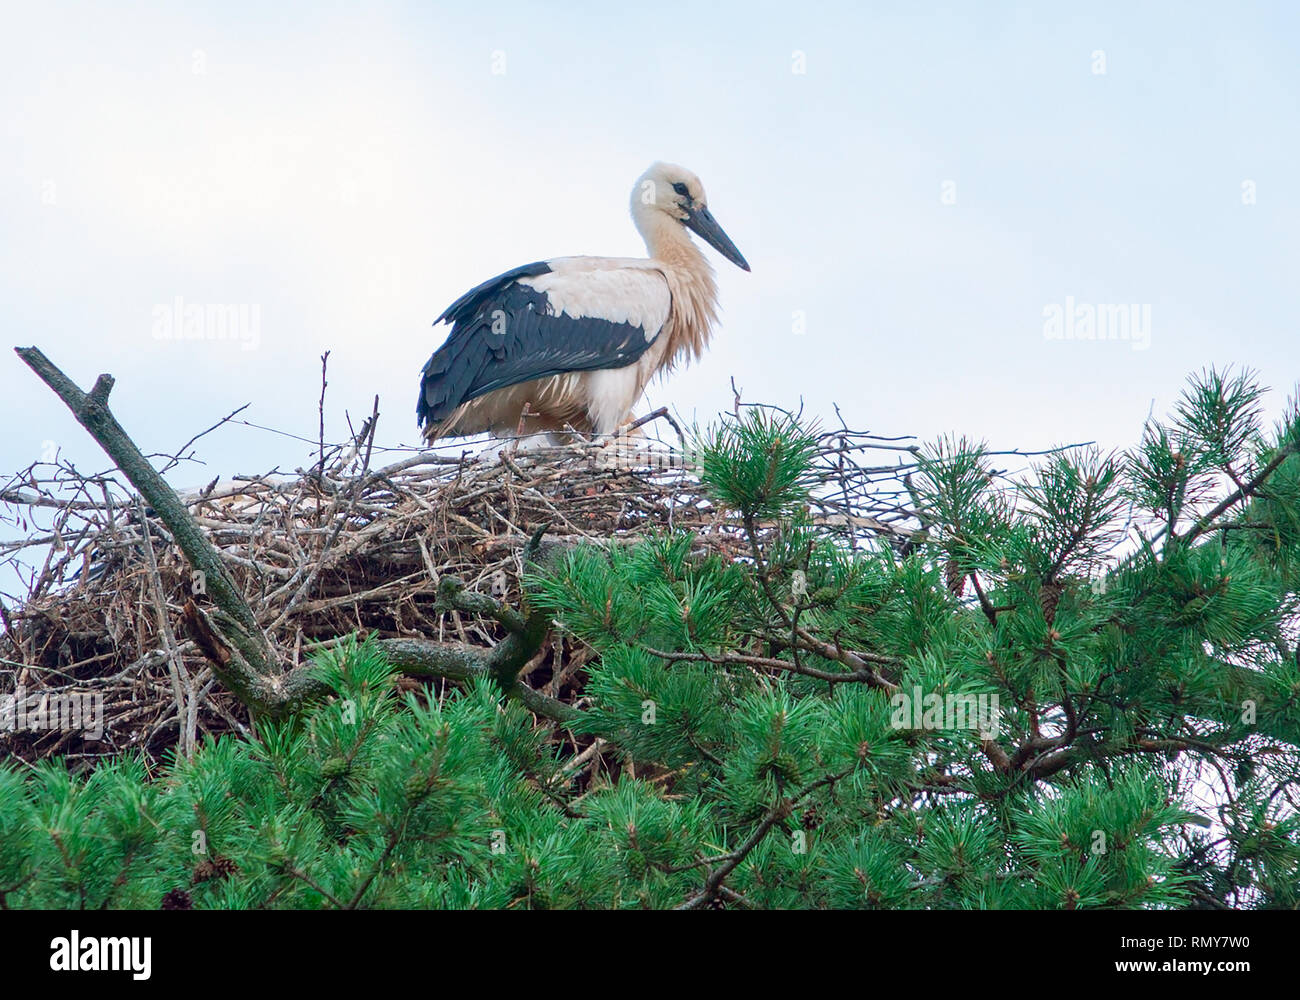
[[672, 192]]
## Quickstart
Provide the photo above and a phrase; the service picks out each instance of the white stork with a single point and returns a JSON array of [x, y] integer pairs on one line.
[[575, 340]]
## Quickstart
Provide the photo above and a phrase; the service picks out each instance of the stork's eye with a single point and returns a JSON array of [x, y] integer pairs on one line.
[[680, 188]]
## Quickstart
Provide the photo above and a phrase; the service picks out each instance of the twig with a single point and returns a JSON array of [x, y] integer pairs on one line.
[[183, 688], [324, 364]]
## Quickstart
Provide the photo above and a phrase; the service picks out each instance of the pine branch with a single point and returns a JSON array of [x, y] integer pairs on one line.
[[867, 676], [783, 808], [239, 628], [1241, 493]]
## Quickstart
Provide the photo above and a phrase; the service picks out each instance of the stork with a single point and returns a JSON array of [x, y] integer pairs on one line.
[[573, 341]]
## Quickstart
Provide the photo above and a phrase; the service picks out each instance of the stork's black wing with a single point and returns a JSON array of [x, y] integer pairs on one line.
[[507, 331]]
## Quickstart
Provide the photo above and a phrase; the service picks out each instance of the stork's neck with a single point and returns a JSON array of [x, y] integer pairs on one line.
[[668, 241], [691, 281]]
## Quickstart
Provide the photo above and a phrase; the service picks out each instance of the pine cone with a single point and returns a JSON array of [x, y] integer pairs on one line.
[[177, 899], [955, 577], [1049, 596], [216, 868]]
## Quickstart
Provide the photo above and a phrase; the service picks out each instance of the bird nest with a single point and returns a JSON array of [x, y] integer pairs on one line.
[[332, 551]]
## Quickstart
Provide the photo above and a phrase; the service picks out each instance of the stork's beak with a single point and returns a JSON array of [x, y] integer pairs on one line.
[[701, 221]]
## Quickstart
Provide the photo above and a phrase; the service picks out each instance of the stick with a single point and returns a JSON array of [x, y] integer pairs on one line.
[[240, 627]]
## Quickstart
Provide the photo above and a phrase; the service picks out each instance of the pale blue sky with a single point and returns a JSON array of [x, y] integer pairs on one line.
[[350, 172]]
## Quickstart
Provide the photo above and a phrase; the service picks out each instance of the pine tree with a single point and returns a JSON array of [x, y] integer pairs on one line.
[[1079, 689]]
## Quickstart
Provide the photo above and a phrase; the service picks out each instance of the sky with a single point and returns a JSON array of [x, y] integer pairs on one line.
[[919, 190]]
